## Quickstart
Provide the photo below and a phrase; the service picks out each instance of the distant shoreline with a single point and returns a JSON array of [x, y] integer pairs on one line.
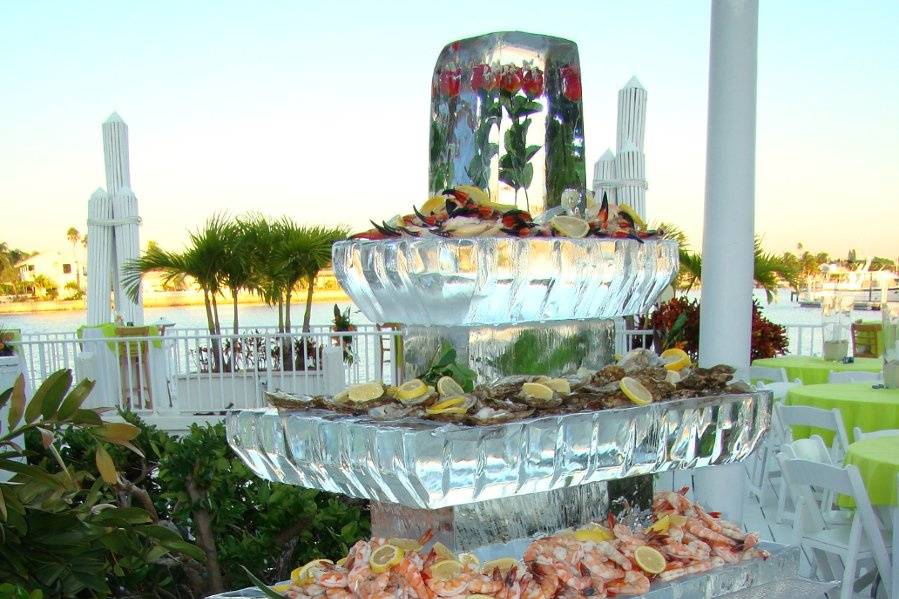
[[164, 300]]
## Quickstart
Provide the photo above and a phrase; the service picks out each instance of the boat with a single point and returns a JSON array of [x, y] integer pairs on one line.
[[866, 289]]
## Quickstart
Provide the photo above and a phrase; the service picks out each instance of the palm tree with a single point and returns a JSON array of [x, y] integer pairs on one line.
[[260, 238], [74, 237]]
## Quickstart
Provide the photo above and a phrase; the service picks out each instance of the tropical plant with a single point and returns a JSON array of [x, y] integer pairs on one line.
[[10, 281], [74, 236], [7, 347], [342, 323], [60, 535], [444, 363], [46, 285]]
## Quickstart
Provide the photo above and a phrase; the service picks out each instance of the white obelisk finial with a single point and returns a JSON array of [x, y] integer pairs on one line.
[[631, 114], [605, 177], [115, 153], [630, 162]]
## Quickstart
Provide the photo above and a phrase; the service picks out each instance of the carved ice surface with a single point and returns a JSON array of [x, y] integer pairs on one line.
[[502, 280], [506, 115], [427, 464]]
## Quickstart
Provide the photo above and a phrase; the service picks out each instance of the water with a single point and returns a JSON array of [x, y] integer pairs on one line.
[[182, 316]]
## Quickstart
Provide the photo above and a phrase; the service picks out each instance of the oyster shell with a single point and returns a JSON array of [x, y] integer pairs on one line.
[[639, 359], [487, 415]]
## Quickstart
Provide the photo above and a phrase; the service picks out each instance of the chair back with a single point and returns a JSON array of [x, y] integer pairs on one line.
[[858, 435], [865, 341], [805, 476], [761, 374], [134, 349], [831, 420], [779, 390], [853, 377]]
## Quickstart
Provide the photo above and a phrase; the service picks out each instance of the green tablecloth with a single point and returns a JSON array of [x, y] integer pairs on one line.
[[861, 405], [878, 463], [109, 330], [812, 370]]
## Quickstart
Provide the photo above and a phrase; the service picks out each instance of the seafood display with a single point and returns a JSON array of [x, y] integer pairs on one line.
[[639, 378], [467, 211], [596, 560]]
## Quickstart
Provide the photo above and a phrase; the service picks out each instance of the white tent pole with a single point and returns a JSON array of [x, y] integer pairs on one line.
[[727, 245]]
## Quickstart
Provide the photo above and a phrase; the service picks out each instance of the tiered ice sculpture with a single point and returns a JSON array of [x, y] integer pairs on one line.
[[506, 116]]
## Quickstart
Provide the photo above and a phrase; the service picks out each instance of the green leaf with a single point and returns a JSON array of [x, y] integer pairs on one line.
[[155, 553], [118, 432], [266, 590], [160, 533], [82, 416], [38, 474], [527, 174], [74, 399], [2, 508], [530, 151], [106, 466], [49, 395], [186, 548], [4, 397], [17, 402]]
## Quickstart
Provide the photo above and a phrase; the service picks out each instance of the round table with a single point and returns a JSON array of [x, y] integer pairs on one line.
[[877, 460], [812, 370], [861, 405]]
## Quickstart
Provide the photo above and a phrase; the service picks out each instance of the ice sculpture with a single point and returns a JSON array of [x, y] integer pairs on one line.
[[506, 115]]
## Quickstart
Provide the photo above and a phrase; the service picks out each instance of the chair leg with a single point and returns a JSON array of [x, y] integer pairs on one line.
[[781, 501], [848, 587]]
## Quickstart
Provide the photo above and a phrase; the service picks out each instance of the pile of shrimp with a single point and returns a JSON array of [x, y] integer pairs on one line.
[[554, 567]]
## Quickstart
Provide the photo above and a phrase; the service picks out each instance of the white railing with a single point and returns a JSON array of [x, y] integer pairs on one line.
[[804, 339], [189, 371]]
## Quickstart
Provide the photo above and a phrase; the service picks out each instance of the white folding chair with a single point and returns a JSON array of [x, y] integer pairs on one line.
[[859, 543], [854, 377], [812, 449], [831, 420], [763, 468], [858, 435], [762, 374]]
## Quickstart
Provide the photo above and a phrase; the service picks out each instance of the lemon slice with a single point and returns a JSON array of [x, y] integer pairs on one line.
[[280, 588], [638, 222], [503, 564], [341, 562], [537, 391], [661, 525], [475, 193], [593, 532], [635, 391], [309, 571], [470, 560], [446, 569], [443, 552], [366, 391], [650, 560], [434, 204], [444, 406], [390, 391], [385, 557], [411, 390], [558, 385], [407, 545], [675, 359], [342, 396], [570, 226], [448, 387]]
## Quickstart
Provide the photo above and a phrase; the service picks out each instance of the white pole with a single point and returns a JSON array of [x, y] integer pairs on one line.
[[727, 245], [99, 258], [631, 168], [631, 114]]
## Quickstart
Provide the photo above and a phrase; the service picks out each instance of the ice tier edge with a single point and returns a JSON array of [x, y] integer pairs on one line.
[[502, 280], [426, 464]]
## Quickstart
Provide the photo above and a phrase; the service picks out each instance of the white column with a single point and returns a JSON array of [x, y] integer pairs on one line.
[[605, 177], [727, 245], [631, 114], [115, 154], [100, 248], [631, 168], [127, 247]]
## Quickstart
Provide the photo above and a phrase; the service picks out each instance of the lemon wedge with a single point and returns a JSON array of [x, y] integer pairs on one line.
[[342, 562], [470, 560], [650, 560], [593, 532], [448, 387], [661, 525], [280, 588], [446, 569], [411, 390], [451, 403], [559, 386], [385, 557], [363, 392], [537, 391], [443, 552], [475, 193], [407, 545], [503, 564], [309, 571], [675, 359], [434, 204], [570, 226], [635, 391], [638, 222]]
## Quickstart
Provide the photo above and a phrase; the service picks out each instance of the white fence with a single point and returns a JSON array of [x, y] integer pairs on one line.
[[802, 339], [189, 371]]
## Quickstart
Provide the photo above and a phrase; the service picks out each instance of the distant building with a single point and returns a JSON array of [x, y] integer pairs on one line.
[[55, 266]]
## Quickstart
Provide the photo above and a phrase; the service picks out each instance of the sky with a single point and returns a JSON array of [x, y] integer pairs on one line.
[[319, 110]]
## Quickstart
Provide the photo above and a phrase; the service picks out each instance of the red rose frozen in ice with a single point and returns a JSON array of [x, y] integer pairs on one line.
[[532, 82], [571, 82], [511, 79], [450, 82], [482, 77]]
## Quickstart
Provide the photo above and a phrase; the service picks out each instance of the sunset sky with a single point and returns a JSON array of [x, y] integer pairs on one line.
[[320, 110]]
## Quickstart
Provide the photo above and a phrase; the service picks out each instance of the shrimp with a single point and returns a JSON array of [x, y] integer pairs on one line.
[[685, 551], [754, 553], [512, 585], [448, 588], [384, 595], [634, 583], [333, 579], [411, 575], [546, 578], [694, 526], [608, 550], [600, 567], [338, 593], [552, 549], [728, 554], [696, 568], [668, 501], [750, 540], [485, 585]]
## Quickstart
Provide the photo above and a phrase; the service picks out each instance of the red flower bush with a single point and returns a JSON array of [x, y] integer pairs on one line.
[[676, 323]]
